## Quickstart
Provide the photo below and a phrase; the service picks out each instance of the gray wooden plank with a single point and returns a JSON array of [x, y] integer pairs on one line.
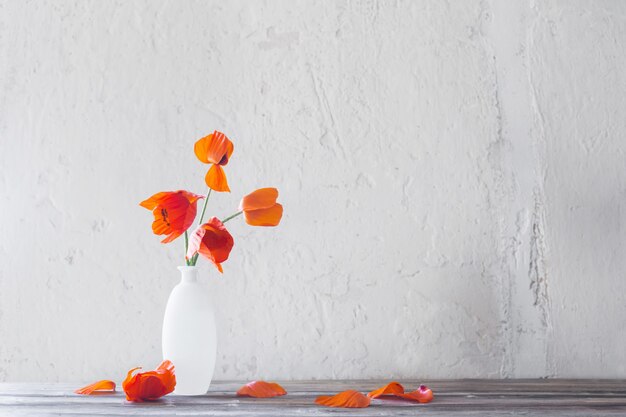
[[453, 398], [448, 386]]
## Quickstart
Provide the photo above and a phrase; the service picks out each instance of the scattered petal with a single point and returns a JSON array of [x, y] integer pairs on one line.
[[101, 386], [392, 388], [261, 389], [423, 395], [152, 385], [346, 399]]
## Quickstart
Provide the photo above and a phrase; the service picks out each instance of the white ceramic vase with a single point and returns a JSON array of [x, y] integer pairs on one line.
[[189, 334]]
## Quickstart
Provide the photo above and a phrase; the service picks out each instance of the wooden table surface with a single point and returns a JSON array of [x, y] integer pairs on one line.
[[452, 398]]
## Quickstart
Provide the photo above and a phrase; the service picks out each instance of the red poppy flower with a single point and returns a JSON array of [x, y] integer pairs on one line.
[[174, 212], [346, 399], [212, 241], [152, 385], [261, 209], [215, 149], [100, 386], [261, 389]]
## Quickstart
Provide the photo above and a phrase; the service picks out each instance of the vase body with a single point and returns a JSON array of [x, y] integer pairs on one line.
[[189, 334]]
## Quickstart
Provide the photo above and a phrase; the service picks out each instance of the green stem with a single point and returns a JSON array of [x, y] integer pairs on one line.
[[206, 200], [194, 258], [186, 247], [232, 217]]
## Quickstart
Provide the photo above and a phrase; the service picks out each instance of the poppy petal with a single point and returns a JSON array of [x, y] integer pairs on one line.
[[195, 238], [176, 215], [213, 241], [201, 149], [174, 212], [392, 388], [148, 386], [191, 197], [220, 148], [155, 200], [215, 148], [259, 199], [168, 378], [229, 147], [346, 399], [264, 217], [104, 385], [130, 385], [216, 179], [423, 395], [261, 389]]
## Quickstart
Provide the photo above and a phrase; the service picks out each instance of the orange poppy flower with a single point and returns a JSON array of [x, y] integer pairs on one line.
[[392, 388], [100, 386], [152, 385], [174, 212], [261, 389], [346, 399], [423, 395], [212, 241], [260, 207], [215, 149]]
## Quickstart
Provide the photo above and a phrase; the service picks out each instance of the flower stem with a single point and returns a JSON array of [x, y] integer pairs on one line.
[[186, 247], [206, 200], [194, 258], [232, 217]]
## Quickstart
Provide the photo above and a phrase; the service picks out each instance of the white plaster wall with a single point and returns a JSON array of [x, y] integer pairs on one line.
[[453, 176]]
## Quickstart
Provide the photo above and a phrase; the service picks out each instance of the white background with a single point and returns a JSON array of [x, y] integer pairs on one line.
[[453, 177]]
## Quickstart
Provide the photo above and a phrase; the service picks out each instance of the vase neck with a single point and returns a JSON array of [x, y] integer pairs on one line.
[[188, 273]]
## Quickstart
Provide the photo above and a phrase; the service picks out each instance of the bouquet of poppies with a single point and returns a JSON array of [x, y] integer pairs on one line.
[[175, 211]]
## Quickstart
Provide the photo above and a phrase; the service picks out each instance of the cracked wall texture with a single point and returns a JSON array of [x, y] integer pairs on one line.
[[453, 176]]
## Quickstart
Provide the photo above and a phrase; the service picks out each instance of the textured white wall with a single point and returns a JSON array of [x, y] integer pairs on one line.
[[453, 177]]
